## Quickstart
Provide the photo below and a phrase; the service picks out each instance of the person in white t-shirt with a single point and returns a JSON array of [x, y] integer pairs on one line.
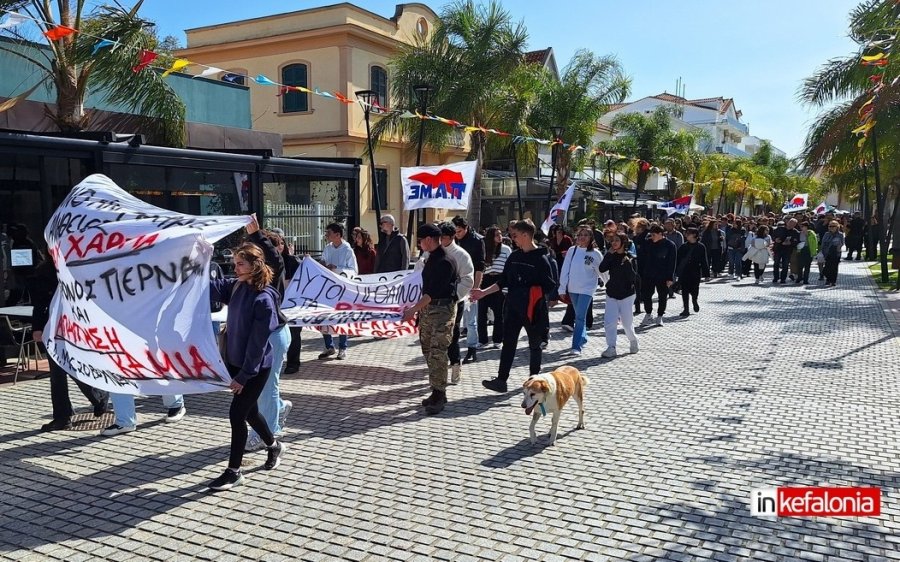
[[337, 256], [578, 279]]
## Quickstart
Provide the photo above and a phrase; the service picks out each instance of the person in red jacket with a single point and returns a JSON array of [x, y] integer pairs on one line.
[[364, 249]]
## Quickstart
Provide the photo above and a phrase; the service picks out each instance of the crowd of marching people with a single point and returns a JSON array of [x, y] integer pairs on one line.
[[481, 290]]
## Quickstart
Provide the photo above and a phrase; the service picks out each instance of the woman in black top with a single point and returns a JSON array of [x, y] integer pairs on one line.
[[621, 291], [531, 280], [692, 265]]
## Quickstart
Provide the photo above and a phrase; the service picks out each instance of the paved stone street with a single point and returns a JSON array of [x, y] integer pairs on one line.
[[766, 386]]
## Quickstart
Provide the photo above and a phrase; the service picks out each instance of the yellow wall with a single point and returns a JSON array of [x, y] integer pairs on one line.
[[340, 43]]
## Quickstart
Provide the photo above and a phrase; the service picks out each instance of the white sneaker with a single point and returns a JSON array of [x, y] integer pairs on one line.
[[648, 319], [659, 320], [609, 352], [455, 374], [175, 414], [116, 429], [634, 346], [254, 443], [283, 414], [342, 354]]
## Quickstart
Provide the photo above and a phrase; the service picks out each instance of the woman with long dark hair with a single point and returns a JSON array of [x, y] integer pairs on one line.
[[252, 319], [364, 249], [621, 292], [713, 240], [495, 255], [757, 253]]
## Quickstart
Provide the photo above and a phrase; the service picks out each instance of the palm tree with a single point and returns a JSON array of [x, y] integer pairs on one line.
[[643, 137], [589, 84], [469, 60], [846, 83], [73, 67]]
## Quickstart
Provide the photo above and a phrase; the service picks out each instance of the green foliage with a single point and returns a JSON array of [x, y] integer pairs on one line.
[[75, 70]]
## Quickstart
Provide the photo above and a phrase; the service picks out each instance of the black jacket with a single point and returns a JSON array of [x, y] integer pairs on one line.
[[622, 275], [692, 262], [473, 243], [784, 234], [393, 253], [658, 261], [524, 270]]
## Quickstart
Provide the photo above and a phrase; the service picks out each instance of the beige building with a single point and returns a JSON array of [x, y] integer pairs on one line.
[[339, 48]]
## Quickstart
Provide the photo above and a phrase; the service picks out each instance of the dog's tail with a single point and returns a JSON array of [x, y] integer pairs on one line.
[[585, 381]]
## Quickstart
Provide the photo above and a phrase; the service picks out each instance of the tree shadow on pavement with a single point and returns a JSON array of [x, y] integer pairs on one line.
[[724, 529], [104, 503]]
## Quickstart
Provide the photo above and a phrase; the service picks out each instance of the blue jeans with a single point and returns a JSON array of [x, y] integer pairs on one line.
[[735, 262], [470, 321], [124, 405], [270, 402], [329, 341], [581, 304]]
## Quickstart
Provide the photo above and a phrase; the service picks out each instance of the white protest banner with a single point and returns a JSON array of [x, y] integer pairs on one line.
[[366, 305], [438, 187], [132, 312], [559, 209], [799, 202]]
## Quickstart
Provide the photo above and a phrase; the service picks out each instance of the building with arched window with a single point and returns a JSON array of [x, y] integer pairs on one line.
[[338, 48]]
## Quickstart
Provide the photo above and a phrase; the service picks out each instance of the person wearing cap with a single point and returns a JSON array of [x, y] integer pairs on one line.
[[657, 272], [392, 253], [436, 314]]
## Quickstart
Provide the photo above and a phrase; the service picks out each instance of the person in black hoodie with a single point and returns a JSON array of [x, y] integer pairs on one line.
[[692, 265], [640, 239], [657, 267], [621, 291], [43, 286], [784, 242], [530, 279]]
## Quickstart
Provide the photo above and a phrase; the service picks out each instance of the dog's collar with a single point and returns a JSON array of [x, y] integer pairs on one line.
[[543, 411]]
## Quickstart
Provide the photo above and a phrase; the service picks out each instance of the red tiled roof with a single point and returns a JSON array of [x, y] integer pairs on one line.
[[537, 57]]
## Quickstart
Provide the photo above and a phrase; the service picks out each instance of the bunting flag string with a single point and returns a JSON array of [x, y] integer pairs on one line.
[[146, 59]]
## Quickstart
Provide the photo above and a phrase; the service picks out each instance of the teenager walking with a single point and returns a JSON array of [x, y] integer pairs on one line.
[[621, 291]]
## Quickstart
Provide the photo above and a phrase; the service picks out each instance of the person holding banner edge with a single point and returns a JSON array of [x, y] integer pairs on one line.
[[436, 314], [252, 319]]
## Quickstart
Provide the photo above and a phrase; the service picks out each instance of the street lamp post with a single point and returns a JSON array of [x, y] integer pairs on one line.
[[366, 99], [422, 92], [556, 132], [515, 162], [609, 177], [722, 195]]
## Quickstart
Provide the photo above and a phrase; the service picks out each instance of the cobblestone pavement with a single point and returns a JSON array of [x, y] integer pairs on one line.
[[766, 386]]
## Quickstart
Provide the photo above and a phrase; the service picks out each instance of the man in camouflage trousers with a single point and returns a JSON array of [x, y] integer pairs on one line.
[[436, 311]]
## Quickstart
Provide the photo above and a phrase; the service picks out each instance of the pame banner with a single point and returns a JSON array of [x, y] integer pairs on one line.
[[438, 187], [799, 202], [132, 311], [364, 305]]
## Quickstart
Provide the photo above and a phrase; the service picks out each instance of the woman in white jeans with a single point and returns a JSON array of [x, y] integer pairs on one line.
[[620, 293]]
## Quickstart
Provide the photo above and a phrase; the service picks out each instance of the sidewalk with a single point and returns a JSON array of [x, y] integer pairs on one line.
[[766, 386]]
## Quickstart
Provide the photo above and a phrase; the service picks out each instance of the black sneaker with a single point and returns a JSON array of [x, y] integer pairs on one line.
[[101, 409], [227, 481], [291, 369], [56, 425], [497, 385], [276, 451]]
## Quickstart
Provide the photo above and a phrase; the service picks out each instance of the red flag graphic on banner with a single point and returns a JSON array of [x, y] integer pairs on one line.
[[146, 58], [58, 32]]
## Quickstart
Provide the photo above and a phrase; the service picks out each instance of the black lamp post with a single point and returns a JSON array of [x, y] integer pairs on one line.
[[515, 162], [422, 92], [722, 195], [556, 132], [367, 99]]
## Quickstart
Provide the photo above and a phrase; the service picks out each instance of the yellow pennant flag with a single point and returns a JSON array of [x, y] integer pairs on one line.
[[874, 58], [864, 128], [179, 64]]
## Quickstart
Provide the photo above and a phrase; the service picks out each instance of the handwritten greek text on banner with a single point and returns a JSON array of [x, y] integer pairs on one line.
[[132, 311], [438, 187], [365, 305]]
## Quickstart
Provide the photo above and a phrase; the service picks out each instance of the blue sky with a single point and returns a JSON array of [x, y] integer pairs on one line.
[[756, 51]]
